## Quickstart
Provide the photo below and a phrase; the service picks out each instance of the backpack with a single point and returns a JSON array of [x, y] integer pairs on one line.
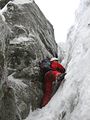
[[45, 66]]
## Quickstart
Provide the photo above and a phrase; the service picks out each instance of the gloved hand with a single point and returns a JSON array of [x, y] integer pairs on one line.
[[61, 77]]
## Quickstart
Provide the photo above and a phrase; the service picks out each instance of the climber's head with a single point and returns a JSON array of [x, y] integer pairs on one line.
[[54, 59]]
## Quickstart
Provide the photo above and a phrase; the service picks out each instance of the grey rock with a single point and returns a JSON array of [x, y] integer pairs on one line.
[[31, 39], [8, 105], [3, 3], [8, 108]]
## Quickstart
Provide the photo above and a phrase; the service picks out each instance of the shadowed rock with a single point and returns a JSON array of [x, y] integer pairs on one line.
[[8, 108], [3, 3]]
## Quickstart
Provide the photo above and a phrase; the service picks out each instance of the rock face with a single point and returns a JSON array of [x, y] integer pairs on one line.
[[8, 109], [30, 40], [3, 3]]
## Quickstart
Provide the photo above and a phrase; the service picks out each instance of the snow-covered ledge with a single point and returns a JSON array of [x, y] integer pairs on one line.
[[22, 1]]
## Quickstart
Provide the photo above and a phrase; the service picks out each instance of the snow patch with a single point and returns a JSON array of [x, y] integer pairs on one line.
[[22, 1], [16, 82], [2, 16], [19, 40], [2, 11]]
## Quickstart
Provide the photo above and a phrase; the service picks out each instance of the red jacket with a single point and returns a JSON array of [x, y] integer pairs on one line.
[[50, 76], [57, 66]]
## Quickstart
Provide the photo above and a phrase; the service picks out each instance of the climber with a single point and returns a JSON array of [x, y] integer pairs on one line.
[[56, 71]]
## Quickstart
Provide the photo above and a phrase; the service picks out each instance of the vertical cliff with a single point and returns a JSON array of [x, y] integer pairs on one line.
[[30, 39]]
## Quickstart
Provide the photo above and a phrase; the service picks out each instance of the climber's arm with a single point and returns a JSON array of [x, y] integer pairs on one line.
[[60, 68]]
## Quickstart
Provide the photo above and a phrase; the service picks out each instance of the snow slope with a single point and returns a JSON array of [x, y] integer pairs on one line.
[[72, 100]]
